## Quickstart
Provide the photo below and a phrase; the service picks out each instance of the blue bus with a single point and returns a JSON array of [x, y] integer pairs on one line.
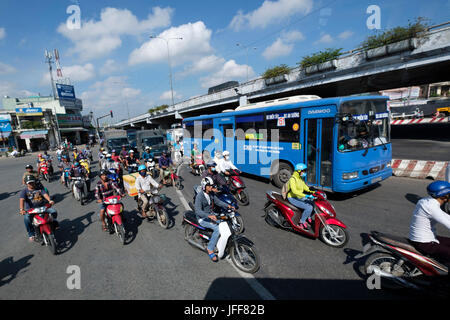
[[344, 141]]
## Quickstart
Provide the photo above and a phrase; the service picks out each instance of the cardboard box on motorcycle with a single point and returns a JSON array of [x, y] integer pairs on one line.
[[129, 181]]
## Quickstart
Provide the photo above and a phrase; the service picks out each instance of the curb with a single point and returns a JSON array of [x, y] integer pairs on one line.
[[419, 169]]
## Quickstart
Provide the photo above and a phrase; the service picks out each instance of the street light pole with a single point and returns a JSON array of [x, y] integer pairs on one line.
[[170, 63], [246, 49]]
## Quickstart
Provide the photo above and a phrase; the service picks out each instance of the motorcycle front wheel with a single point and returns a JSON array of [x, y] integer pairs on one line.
[[177, 184], [121, 233], [245, 257], [51, 242], [334, 236], [238, 225], [163, 218], [243, 197]]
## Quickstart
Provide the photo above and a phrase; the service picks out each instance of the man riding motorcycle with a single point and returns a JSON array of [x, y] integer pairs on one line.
[[143, 184], [33, 197], [104, 189], [131, 159], [29, 172], [79, 171], [164, 163], [204, 202], [63, 166], [146, 154], [194, 153], [211, 171], [428, 212], [225, 165]]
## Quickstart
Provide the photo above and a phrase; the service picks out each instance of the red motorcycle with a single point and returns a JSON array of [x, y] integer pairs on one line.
[[45, 226], [280, 212], [400, 265], [114, 216], [44, 170], [237, 187], [174, 178], [198, 166]]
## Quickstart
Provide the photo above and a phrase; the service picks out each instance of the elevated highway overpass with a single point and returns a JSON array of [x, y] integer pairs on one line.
[[411, 62]]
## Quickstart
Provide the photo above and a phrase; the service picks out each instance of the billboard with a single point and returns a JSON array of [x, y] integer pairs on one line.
[[65, 91], [29, 112]]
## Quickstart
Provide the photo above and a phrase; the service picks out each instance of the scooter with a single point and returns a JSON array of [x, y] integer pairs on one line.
[[155, 208], [241, 250], [237, 187], [44, 170], [45, 225], [237, 222], [400, 265], [174, 178], [79, 188], [114, 217], [280, 212], [198, 166]]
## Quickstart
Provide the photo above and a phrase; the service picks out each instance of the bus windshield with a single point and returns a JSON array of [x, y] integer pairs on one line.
[[363, 124]]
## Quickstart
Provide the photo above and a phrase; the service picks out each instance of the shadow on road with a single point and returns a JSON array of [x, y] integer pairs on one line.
[[413, 198], [69, 230], [132, 223], [6, 195], [9, 269]]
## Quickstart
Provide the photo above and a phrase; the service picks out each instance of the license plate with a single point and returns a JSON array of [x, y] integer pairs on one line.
[[377, 179]]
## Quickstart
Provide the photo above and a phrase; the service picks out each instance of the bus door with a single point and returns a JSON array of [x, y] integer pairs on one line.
[[224, 137], [318, 149]]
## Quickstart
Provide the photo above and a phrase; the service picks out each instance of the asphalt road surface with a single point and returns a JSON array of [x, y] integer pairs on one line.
[[159, 264], [414, 149]]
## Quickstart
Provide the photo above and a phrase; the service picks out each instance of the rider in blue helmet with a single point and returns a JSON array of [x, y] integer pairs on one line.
[[427, 214], [298, 196], [144, 183]]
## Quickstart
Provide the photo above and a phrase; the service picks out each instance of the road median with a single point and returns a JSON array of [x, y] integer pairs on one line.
[[419, 169]]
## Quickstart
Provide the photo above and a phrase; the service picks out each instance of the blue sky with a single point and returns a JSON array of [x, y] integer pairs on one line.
[[112, 61]]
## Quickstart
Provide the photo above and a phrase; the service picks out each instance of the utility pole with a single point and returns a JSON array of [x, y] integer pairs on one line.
[[49, 60]]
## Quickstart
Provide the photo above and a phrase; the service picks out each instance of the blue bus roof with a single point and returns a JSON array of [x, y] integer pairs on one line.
[[287, 106]]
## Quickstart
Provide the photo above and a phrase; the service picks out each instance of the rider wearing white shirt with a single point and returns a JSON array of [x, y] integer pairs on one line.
[[225, 164], [427, 214], [143, 184]]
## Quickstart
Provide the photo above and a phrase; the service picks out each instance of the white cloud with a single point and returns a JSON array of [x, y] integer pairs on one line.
[[76, 73], [278, 49], [229, 71], [204, 64], [345, 35], [194, 45], [99, 38], [167, 96], [2, 33], [271, 12], [114, 93], [109, 67], [292, 36], [6, 69], [324, 39]]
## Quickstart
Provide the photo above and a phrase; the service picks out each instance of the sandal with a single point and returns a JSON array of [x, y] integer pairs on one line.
[[213, 257], [104, 228]]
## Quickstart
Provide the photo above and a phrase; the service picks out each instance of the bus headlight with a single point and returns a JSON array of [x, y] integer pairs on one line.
[[350, 175], [388, 165]]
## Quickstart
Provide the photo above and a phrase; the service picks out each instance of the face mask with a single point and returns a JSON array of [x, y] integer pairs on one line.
[[143, 173], [227, 158], [213, 169], [303, 175]]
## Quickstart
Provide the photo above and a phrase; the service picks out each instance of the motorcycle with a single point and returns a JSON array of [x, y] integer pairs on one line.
[[79, 188], [174, 178], [155, 208], [65, 177], [114, 217], [237, 223], [113, 175], [198, 166], [44, 170], [45, 225], [237, 187], [237, 246], [151, 168], [280, 212], [400, 265]]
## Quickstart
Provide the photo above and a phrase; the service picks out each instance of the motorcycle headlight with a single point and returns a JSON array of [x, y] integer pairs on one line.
[[156, 199], [238, 185], [350, 175]]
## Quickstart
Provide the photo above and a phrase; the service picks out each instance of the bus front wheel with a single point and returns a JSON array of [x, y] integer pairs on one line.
[[283, 174]]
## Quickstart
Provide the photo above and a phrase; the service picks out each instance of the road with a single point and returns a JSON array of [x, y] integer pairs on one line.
[[158, 264], [414, 149]]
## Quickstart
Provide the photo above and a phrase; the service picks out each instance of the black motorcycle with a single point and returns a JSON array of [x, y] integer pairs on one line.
[[240, 249]]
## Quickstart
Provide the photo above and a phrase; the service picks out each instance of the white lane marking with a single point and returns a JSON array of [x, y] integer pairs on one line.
[[251, 280]]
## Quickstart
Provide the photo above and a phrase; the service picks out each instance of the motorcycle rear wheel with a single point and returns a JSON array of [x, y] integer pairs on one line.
[[250, 262], [243, 197]]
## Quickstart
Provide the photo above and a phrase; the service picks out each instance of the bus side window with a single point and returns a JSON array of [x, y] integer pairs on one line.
[[289, 128], [252, 126]]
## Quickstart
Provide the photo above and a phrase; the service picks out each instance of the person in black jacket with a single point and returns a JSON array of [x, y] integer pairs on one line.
[[204, 202]]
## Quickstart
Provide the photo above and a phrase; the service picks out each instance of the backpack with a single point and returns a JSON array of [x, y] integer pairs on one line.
[[285, 190]]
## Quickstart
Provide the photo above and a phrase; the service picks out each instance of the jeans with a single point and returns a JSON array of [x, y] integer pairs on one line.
[[27, 219], [207, 223], [302, 204]]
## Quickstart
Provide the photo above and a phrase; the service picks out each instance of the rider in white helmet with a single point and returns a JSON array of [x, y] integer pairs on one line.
[[225, 165]]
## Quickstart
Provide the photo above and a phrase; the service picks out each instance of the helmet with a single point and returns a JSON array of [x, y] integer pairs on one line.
[[207, 182], [30, 179], [102, 149], [147, 148], [211, 164], [226, 153], [103, 173], [300, 167], [131, 151], [438, 189], [29, 167], [142, 167], [76, 164], [108, 155], [40, 155]]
